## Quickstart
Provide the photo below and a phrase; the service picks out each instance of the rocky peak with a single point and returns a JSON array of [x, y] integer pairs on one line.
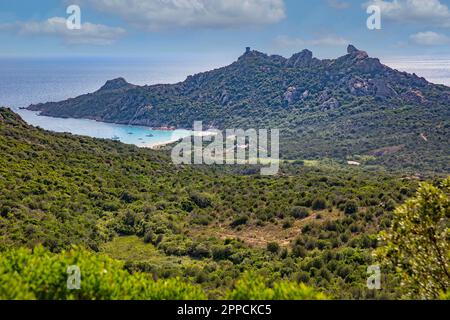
[[253, 54], [351, 49], [115, 84], [300, 59], [304, 55], [360, 61], [354, 52]]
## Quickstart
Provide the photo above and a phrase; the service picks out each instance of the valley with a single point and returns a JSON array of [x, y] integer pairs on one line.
[[207, 225]]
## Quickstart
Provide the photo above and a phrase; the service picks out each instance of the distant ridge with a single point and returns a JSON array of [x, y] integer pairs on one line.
[[351, 105]]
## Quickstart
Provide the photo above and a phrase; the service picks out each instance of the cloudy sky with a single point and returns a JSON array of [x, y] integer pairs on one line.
[[223, 27]]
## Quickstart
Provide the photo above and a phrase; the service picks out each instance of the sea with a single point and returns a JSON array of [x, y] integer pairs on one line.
[[434, 69], [25, 81]]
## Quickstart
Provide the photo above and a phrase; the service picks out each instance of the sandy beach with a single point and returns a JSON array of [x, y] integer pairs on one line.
[[156, 146]]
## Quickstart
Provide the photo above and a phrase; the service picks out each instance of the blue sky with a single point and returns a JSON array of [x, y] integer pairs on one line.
[[222, 28]]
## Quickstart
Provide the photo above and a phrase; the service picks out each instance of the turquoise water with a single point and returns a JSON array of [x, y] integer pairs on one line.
[[139, 136]]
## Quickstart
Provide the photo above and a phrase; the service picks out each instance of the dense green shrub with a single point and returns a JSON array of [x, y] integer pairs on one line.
[[273, 247], [300, 212], [239, 221], [201, 200], [254, 287], [221, 252], [59, 190], [39, 274], [199, 250], [149, 237], [288, 223], [319, 204], [351, 207]]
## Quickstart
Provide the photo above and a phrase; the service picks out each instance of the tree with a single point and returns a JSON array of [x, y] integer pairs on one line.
[[417, 243]]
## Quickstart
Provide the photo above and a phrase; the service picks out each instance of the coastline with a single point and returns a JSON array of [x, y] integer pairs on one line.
[[173, 134], [124, 123], [160, 145], [138, 135]]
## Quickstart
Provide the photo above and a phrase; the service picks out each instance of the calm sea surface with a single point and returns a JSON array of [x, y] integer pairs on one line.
[[27, 81], [436, 70]]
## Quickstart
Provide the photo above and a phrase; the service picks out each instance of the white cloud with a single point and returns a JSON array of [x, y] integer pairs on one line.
[[429, 38], [163, 14], [327, 40], [91, 34], [427, 12]]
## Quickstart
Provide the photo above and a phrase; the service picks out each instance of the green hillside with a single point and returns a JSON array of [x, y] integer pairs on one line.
[[314, 223]]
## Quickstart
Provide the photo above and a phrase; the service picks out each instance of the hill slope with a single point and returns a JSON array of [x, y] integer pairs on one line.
[[338, 108], [207, 225]]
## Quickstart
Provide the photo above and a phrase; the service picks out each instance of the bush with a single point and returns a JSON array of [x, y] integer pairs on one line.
[[299, 251], [273, 247], [300, 212], [239, 221], [253, 287], [148, 237], [40, 274], [128, 197], [199, 251], [390, 205], [221, 252], [319, 204], [201, 200], [350, 207], [302, 277], [288, 223]]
